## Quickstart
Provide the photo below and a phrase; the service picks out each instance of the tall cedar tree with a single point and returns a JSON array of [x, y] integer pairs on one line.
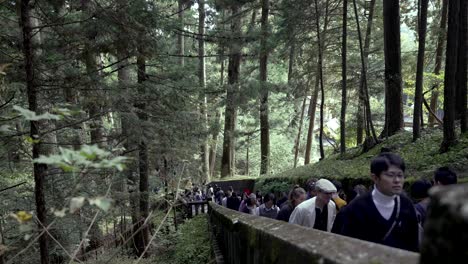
[[371, 139], [40, 169], [142, 155], [461, 101], [205, 152], [450, 76], [343, 80], [441, 35], [419, 70], [360, 114], [230, 115], [320, 73], [264, 123], [393, 79]]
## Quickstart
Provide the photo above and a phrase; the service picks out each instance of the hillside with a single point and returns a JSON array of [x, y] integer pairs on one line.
[[422, 158]]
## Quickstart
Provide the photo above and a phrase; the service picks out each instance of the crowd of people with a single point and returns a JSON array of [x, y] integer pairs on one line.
[[383, 213]]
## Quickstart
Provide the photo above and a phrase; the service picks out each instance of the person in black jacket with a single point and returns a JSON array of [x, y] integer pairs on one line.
[[296, 196], [383, 216]]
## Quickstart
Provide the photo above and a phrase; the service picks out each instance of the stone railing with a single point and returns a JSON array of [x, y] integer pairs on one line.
[[245, 239], [446, 229]]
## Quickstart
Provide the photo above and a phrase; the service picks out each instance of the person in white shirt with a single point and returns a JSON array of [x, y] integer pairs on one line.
[[318, 212]]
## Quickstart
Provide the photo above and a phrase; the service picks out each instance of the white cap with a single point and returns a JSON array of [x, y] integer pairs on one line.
[[325, 186]]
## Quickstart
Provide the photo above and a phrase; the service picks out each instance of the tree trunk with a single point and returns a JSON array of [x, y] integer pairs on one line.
[[216, 127], [371, 137], [362, 107], [320, 70], [298, 138], [247, 172], [393, 79], [142, 156], [292, 52], [343, 80], [227, 166], [39, 170], [94, 96], [450, 76], [419, 70], [461, 102], [264, 91], [130, 144], [205, 154], [180, 45], [312, 110], [438, 60]]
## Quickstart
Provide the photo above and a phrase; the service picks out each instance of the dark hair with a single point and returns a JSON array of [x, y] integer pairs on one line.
[[310, 184], [420, 188], [269, 197], [445, 176], [338, 185], [384, 160]]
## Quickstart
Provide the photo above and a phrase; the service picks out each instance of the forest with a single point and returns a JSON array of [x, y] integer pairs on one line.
[[110, 108]]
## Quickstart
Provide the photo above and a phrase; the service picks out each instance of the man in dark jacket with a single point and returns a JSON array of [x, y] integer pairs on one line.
[[383, 216]]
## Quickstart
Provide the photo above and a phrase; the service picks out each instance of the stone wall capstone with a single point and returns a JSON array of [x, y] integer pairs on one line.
[[249, 239]]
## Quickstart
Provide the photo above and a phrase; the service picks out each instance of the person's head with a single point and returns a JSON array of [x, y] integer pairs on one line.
[[339, 190], [229, 191], [297, 195], [419, 189], [325, 190], [444, 176], [387, 172], [269, 200], [310, 186], [251, 199]]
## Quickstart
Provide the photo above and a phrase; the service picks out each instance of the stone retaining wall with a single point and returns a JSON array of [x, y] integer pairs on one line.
[[246, 239]]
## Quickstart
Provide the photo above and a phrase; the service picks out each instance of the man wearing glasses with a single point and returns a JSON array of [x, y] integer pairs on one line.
[[383, 216]]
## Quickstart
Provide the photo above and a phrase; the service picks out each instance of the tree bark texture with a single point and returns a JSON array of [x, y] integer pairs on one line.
[[312, 111], [461, 102], [180, 45], [39, 169], [420, 70], [393, 79], [264, 92], [438, 60], [205, 153], [320, 73], [143, 161], [450, 76], [343, 79], [94, 102], [299, 132], [227, 166], [363, 80]]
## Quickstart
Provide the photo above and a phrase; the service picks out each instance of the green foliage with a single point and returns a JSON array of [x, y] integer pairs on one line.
[[279, 186], [87, 157], [32, 116], [421, 157], [193, 242]]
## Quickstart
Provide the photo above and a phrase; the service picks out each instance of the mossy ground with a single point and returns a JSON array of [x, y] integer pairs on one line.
[[421, 157]]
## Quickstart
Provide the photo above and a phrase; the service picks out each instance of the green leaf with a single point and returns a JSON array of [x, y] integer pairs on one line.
[[32, 116], [102, 202]]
